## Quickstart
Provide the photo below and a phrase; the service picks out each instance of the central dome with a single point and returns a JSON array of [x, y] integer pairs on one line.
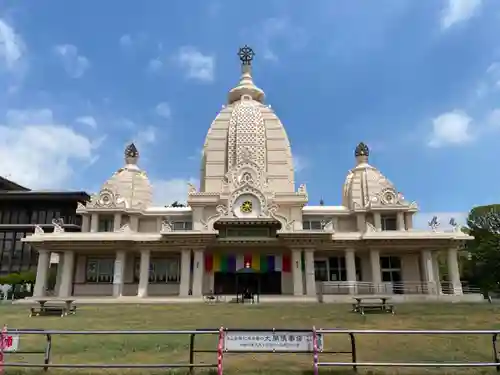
[[246, 129]]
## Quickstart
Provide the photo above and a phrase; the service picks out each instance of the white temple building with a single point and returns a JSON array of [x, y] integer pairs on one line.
[[249, 227]]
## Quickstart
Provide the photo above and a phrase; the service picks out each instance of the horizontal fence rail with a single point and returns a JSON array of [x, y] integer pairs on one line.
[[252, 341]]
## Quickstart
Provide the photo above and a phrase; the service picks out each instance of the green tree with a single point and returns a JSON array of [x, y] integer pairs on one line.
[[482, 266]]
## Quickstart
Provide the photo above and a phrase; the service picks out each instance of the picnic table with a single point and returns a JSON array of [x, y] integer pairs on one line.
[[372, 303], [51, 307]]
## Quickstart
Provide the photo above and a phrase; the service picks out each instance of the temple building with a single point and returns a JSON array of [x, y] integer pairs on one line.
[[249, 227]]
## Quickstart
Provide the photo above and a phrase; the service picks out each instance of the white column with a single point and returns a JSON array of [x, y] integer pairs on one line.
[[41, 273], [428, 272], [454, 272], [185, 272], [142, 289], [94, 223], [376, 273], [361, 222], [310, 278], [400, 220], [117, 222], [409, 220], [66, 288], [60, 266], [198, 273], [134, 223], [377, 221], [350, 262], [298, 287], [437, 274], [85, 223], [119, 273]]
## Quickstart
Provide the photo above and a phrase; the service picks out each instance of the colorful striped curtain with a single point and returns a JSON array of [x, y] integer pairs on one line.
[[231, 263]]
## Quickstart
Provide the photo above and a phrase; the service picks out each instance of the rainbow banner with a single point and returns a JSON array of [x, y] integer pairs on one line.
[[233, 263]]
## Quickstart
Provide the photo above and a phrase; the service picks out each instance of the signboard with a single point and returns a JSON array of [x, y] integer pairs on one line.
[[10, 342], [278, 341]]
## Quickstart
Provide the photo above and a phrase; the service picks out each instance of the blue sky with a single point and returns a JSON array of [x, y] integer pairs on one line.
[[419, 81]]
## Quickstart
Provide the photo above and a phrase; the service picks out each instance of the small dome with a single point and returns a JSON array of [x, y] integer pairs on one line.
[[365, 184], [130, 182]]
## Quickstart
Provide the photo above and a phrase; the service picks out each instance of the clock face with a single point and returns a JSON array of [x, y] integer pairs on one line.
[[246, 207]]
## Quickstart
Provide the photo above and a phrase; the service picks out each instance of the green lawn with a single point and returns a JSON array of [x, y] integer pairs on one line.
[[164, 349]]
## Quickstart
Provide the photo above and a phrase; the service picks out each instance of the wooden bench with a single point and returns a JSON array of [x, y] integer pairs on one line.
[[373, 304], [53, 308]]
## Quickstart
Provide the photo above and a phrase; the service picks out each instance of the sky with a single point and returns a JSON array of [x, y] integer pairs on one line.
[[417, 80]]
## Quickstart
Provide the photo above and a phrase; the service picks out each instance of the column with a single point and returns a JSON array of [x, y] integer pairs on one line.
[[376, 273], [409, 220], [437, 274], [309, 267], [117, 222], [185, 272], [142, 288], [361, 222], [94, 223], [298, 288], [134, 223], [118, 273], [198, 273], [428, 272], [350, 262], [85, 223], [41, 273], [400, 219], [454, 272], [60, 266], [66, 288], [377, 221]]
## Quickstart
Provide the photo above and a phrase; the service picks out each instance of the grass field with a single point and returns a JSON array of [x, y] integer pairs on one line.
[[164, 349]]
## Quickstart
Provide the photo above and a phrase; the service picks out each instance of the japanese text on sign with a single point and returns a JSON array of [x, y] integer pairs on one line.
[[271, 341], [9, 343]]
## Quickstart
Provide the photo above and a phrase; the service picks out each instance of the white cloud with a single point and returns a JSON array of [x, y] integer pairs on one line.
[[493, 119], [459, 11], [145, 136], [167, 191], [126, 40], [74, 64], [87, 120], [39, 153], [155, 65], [163, 110], [421, 219], [299, 163], [197, 65], [12, 47], [451, 128], [131, 40]]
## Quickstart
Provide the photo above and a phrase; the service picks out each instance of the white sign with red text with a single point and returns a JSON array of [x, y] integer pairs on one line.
[[277, 341], [9, 342]]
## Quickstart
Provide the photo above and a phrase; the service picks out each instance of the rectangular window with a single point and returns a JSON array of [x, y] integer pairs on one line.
[[320, 270], [388, 222], [338, 270], [312, 225], [161, 270], [182, 225], [106, 223], [100, 270]]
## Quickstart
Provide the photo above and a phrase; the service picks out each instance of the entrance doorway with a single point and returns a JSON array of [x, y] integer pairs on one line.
[[254, 281]]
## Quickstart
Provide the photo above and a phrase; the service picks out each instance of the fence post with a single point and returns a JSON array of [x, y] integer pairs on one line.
[[48, 350], [191, 353], [353, 351], [220, 349], [315, 352], [495, 350]]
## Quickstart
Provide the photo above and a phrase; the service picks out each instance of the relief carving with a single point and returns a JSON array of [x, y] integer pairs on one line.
[[58, 225]]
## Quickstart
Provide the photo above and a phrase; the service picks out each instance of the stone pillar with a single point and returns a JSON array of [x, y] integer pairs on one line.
[[400, 220], [185, 272], [94, 223], [142, 288], [298, 287], [66, 288], [85, 223], [454, 271], [377, 221], [198, 269], [409, 220], [361, 222], [42, 271], [119, 273], [350, 263], [117, 222], [310, 277], [437, 274], [376, 272], [60, 267], [428, 272], [134, 223]]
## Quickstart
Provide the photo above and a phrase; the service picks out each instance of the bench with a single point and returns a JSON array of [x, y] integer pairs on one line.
[[213, 298], [374, 304], [53, 308]]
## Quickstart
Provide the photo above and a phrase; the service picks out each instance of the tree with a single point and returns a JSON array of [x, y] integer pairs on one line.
[[177, 204], [482, 266]]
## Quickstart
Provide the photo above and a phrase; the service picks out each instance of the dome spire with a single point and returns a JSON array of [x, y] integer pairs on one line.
[[361, 153], [246, 85], [131, 154]]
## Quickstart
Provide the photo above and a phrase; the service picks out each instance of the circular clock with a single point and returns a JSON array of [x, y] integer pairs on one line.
[[246, 207]]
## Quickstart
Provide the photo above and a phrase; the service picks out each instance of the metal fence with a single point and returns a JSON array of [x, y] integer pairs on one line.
[[249, 344]]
